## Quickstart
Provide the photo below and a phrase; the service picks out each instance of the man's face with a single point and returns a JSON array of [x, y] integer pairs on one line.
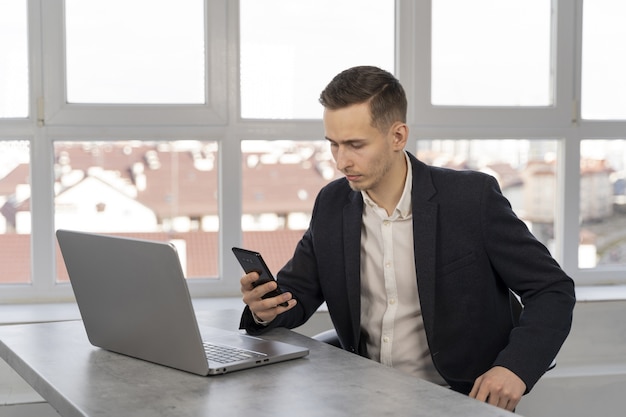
[[363, 153]]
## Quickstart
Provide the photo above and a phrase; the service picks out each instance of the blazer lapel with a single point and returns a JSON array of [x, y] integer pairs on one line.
[[352, 216], [424, 239]]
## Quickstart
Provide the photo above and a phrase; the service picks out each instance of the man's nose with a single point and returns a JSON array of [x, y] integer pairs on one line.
[[341, 159]]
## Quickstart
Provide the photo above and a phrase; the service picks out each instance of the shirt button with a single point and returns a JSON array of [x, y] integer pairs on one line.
[[392, 301], [388, 265], [386, 339], [386, 222]]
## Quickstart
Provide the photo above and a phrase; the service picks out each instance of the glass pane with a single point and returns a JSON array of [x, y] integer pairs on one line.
[[13, 59], [140, 51], [604, 60], [291, 49], [15, 212], [491, 53], [151, 190], [602, 203], [280, 182], [526, 171]]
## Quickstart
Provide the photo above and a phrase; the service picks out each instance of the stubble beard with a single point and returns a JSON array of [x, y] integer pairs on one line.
[[375, 177]]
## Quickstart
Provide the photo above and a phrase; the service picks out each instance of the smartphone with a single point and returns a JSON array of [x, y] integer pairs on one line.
[[252, 261]]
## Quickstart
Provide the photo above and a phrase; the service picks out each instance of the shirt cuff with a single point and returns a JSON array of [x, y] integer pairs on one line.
[[259, 321]]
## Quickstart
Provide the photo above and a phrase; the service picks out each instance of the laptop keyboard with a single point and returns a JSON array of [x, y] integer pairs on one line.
[[226, 354]]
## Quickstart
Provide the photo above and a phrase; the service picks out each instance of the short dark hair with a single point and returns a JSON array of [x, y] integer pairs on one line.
[[362, 84]]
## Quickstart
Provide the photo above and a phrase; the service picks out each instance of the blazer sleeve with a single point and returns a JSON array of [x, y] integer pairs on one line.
[[528, 269], [300, 277]]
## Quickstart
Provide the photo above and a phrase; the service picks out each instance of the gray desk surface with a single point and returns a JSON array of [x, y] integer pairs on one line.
[[78, 379]]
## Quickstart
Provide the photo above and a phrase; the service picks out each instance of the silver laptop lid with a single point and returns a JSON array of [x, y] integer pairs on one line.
[[133, 298]]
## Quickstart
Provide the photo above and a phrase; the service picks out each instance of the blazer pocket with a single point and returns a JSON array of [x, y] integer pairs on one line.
[[458, 264]]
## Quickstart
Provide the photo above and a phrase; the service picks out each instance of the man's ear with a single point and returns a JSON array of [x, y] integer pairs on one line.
[[400, 132]]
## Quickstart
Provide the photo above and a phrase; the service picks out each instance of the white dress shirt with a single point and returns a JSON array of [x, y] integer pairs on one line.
[[391, 317]]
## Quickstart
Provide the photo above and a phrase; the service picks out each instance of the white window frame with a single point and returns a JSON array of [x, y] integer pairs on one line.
[[60, 112], [418, 20]]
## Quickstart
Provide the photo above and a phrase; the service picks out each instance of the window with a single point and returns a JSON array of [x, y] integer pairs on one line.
[[144, 189], [491, 53], [111, 60], [602, 203], [604, 60], [15, 226], [289, 55], [214, 103], [140, 63], [13, 59]]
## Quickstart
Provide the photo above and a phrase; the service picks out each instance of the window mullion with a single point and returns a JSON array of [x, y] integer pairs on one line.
[[568, 203]]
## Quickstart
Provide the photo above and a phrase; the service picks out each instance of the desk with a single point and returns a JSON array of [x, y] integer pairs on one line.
[[78, 379]]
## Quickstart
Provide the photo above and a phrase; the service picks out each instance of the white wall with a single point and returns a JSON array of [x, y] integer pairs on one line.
[[590, 377]]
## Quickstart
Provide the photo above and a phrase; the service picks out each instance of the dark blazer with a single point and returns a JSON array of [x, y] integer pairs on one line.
[[470, 249]]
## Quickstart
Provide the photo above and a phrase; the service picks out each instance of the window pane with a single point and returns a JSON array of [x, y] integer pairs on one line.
[[602, 203], [526, 171], [13, 59], [280, 182], [291, 49], [140, 51], [491, 53], [150, 190], [14, 212], [604, 60]]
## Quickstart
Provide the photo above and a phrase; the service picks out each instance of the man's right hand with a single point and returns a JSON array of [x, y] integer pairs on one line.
[[265, 309]]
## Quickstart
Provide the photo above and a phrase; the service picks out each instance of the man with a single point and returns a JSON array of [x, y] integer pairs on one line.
[[415, 263]]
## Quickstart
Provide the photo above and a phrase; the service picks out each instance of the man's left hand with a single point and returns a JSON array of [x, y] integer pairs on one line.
[[500, 387]]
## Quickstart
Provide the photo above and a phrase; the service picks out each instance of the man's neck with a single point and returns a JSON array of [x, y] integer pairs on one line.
[[388, 194]]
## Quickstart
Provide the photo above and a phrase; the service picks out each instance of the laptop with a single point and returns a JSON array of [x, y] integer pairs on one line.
[[133, 298]]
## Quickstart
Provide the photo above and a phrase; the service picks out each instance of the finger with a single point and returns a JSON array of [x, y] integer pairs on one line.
[[510, 406], [278, 304], [483, 395], [501, 401], [247, 280], [474, 390], [504, 403], [478, 391], [291, 303], [494, 399], [259, 291], [272, 302], [255, 297], [285, 298], [268, 308]]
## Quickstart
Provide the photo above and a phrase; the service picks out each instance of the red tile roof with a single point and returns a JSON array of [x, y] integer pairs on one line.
[[181, 183], [201, 254]]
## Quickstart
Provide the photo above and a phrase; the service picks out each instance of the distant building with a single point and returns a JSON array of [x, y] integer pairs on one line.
[[172, 186], [92, 204], [596, 191], [539, 200]]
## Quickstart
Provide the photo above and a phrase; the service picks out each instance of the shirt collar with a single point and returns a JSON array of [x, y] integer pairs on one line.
[[403, 209]]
